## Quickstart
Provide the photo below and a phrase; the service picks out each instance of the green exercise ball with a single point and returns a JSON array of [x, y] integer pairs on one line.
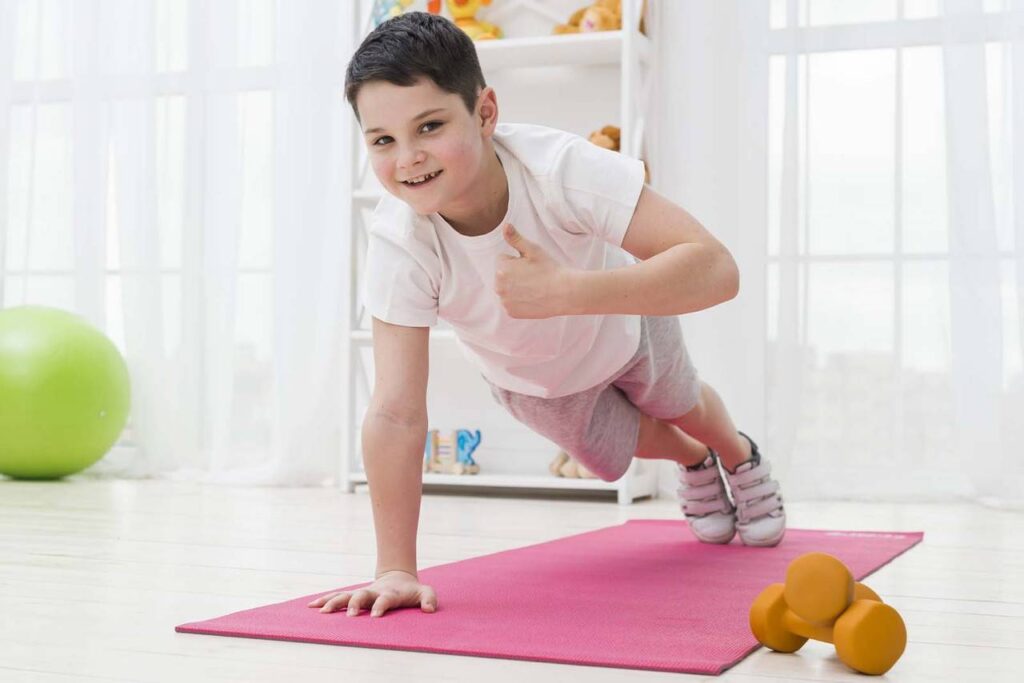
[[64, 393]]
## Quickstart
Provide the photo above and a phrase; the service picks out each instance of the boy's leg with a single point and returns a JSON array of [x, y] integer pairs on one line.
[[686, 439], [701, 491], [760, 517], [709, 423], [664, 382], [659, 440]]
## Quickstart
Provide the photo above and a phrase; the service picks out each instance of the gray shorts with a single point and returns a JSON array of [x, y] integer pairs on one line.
[[599, 427]]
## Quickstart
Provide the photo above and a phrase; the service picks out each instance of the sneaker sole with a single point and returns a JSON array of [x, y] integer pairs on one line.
[[764, 543], [714, 541]]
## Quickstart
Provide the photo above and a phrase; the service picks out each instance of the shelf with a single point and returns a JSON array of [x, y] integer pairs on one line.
[[632, 56], [517, 481], [602, 47]]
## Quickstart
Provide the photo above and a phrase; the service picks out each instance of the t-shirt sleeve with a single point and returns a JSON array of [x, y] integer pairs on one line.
[[401, 280], [600, 188]]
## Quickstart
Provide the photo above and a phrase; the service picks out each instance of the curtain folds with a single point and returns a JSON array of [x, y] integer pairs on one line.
[[198, 153], [871, 190], [176, 172]]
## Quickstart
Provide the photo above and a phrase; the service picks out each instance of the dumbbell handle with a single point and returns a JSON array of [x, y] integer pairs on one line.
[[800, 626], [806, 629]]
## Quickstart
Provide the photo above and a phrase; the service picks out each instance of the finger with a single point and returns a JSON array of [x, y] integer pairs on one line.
[[359, 599], [382, 604], [337, 602], [428, 599], [322, 600], [515, 240]]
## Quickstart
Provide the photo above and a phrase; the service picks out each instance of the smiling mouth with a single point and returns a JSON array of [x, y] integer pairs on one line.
[[419, 181]]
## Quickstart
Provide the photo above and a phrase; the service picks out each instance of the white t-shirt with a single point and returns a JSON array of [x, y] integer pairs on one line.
[[569, 196]]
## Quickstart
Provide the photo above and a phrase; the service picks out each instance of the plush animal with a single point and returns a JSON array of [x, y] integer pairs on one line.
[[464, 15], [610, 137], [602, 15], [565, 466]]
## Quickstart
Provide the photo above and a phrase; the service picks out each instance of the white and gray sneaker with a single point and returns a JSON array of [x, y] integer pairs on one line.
[[703, 500], [760, 517]]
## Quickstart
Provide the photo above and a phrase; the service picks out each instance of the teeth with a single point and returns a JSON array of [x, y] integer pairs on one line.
[[417, 181]]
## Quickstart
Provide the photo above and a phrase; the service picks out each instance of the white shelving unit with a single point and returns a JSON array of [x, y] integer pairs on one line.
[[633, 54]]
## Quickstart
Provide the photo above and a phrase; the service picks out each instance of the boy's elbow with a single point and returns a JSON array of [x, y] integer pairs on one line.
[[729, 276], [734, 280]]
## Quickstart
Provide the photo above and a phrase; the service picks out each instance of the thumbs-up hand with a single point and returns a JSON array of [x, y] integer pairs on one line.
[[532, 285]]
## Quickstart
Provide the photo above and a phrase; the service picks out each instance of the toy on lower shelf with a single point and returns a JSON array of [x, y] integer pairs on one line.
[[451, 455], [820, 600], [565, 466]]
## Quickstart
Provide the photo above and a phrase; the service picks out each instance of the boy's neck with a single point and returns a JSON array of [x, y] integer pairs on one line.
[[482, 212]]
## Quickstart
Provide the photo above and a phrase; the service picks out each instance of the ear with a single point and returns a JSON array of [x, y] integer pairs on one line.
[[487, 111]]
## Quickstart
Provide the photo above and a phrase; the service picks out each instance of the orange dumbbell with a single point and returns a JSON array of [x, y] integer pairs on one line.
[[820, 600]]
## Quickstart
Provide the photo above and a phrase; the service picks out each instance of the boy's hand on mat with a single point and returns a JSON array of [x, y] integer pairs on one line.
[[390, 590], [531, 285]]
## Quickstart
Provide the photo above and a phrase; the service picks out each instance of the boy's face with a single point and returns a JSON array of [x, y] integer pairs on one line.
[[424, 145]]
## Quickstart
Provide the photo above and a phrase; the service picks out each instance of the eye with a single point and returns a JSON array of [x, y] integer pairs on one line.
[[431, 126], [382, 140]]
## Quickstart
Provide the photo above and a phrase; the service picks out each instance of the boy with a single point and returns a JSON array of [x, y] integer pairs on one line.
[[522, 238]]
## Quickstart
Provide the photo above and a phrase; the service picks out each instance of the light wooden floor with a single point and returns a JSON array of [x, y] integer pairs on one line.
[[94, 575]]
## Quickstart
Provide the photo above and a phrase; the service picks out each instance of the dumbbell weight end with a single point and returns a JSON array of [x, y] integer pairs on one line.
[[870, 637]]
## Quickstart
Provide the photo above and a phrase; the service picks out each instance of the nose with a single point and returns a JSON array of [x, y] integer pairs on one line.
[[409, 156]]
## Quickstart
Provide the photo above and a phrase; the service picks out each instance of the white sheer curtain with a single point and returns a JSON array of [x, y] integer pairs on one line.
[[865, 162], [174, 170]]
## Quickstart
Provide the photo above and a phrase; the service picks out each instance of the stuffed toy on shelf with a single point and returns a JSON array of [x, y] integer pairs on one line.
[[610, 137], [463, 14], [603, 15], [566, 466]]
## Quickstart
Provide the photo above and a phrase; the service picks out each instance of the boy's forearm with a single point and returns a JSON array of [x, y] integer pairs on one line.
[[682, 279], [393, 459]]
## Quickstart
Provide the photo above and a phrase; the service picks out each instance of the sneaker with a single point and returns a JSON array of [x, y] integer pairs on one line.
[[760, 517], [703, 500]]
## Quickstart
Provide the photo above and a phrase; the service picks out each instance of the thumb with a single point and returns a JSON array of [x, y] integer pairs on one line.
[[428, 599], [517, 241]]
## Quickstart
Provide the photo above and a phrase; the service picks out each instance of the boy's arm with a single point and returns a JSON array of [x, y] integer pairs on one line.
[[394, 431], [682, 269]]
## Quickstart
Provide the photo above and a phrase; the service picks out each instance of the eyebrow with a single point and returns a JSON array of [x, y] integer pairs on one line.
[[419, 116]]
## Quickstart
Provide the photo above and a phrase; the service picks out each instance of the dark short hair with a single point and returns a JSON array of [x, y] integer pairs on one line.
[[410, 46]]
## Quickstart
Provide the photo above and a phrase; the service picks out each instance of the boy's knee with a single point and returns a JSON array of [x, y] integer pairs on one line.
[[693, 415]]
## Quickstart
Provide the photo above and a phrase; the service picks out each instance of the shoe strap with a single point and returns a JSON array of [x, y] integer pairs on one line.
[[702, 490], [758, 509], [712, 489], [755, 492], [699, 508], [700, 477], [760, 471]]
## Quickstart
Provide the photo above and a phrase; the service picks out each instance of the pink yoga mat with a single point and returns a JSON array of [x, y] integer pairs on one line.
[[642, 595]]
